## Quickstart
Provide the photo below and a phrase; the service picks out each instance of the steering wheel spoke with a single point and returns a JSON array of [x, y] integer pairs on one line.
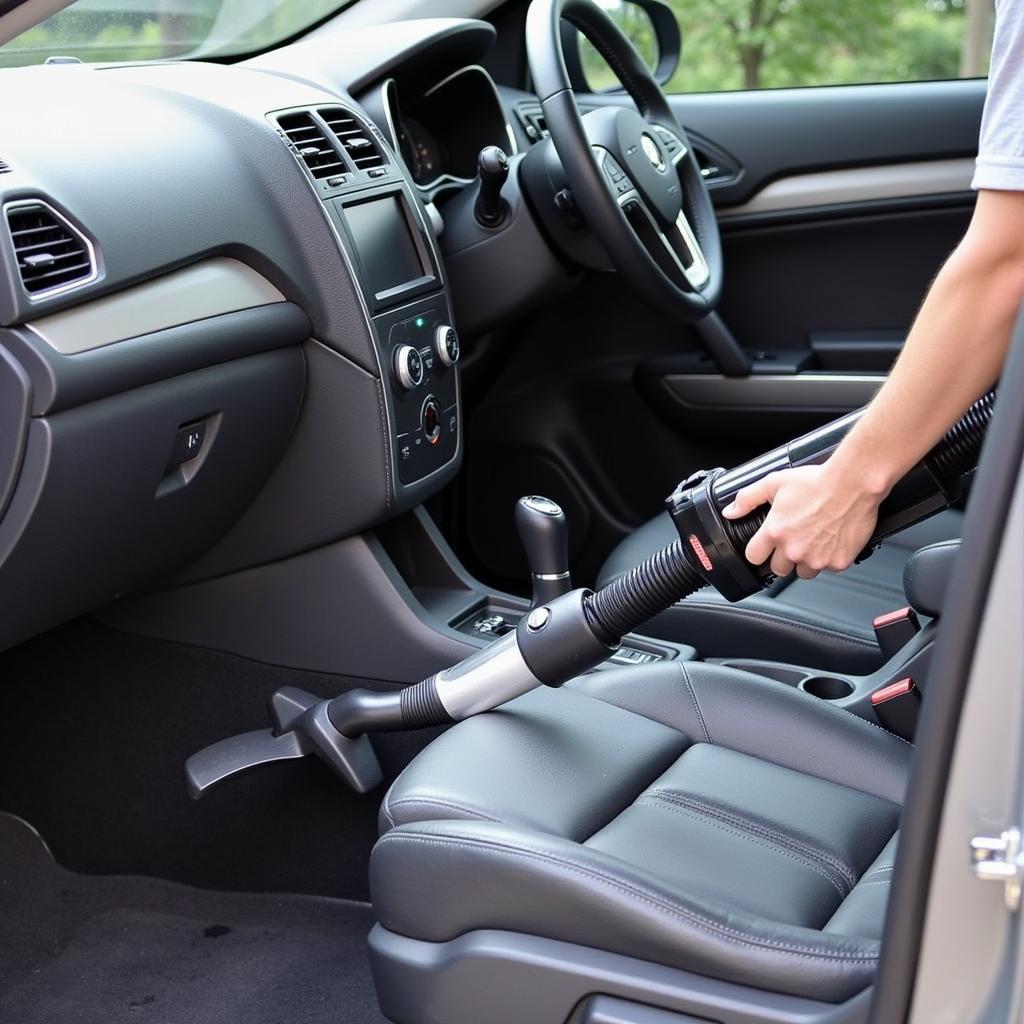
[[675, 249]]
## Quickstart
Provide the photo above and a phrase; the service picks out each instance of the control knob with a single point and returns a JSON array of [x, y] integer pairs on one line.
[[408, 367], [446, 344]]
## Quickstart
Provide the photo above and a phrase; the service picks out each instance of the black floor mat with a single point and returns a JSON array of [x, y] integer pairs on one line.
[[100, 949]]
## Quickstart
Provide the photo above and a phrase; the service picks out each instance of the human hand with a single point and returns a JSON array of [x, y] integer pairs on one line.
[[820, 518]]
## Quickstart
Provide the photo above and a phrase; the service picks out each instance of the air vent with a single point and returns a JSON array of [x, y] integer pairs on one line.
[[355, 138], [308, 138], [50, 253], [4, 167]]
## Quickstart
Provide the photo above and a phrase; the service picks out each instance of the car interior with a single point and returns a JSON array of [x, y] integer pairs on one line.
[[329, 363]]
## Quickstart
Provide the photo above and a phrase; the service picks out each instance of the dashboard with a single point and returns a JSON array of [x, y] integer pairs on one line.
[[226, 330]]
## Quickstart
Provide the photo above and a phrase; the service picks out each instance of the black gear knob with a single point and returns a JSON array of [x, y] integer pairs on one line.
[[492, 166], [544, 531]]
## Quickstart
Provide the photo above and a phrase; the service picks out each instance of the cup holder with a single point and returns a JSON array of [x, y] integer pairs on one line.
[[827, 687]]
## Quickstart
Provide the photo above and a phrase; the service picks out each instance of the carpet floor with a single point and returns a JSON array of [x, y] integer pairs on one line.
[[101, 949]]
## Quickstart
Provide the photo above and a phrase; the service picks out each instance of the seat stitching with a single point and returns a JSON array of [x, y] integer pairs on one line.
[[881, 881], [762, 841], [644, 896], [449, 804], [879, 871], [742, 821], [714, 606], [696, 703], [385, 808]]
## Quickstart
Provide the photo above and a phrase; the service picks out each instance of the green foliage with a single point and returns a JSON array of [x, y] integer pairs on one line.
[[737, 44]]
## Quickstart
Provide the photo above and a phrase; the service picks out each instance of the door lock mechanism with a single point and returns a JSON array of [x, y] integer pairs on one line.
[[999, 859]]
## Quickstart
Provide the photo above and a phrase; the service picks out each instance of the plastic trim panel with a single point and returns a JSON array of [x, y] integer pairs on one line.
[[211, 288]]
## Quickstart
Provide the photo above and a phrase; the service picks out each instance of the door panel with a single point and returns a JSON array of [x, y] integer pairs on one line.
[[775, 133]]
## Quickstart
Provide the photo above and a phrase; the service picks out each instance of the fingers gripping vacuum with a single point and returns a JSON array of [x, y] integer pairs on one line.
[[575, 632]]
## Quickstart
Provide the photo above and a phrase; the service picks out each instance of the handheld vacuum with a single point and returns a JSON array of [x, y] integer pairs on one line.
[[575, 632]]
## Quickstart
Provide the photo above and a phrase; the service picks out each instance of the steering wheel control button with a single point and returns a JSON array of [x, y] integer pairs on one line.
[[430, 420], [672, 143], [538, 619], [408, 367], [617, 177], [446, 344]]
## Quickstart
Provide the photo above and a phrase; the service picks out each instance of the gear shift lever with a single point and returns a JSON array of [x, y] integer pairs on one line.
[[490, 208], [544, 531]]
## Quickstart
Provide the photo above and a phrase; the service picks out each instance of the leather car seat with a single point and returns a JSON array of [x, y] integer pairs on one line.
[[824, 623], [681, 814]]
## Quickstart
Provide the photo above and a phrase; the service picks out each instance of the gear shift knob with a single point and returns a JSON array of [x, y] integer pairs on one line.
[[490, 208], [544, 531]]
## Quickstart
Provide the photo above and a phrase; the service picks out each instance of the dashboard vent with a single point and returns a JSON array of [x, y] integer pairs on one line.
[[4, 167], [317, 153], [49, 252], [355, 137]]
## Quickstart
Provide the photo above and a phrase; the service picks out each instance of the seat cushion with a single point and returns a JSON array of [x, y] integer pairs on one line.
[[686, 814], [824, 623]]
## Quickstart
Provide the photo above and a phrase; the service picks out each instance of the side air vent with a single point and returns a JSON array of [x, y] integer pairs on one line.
[[4, 167], [355, 138], [49, 252], [308, 138]]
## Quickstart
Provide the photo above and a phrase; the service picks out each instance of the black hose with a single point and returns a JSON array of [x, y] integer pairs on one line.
[[957, 453], [638, 595]]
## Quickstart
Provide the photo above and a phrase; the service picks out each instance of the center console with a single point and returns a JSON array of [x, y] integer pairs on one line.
[[390, 251]]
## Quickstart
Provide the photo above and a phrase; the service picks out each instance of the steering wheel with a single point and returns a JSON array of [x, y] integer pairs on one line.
[[633, 175]]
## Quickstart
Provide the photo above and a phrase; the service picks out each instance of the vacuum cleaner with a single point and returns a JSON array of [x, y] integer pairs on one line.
[[576, 631]]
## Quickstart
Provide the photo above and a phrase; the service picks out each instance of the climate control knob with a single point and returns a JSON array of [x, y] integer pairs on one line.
[[408, 367], [446, 344]]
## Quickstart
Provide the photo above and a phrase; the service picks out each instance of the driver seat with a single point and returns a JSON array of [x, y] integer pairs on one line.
[[685, 815], [825, 623]]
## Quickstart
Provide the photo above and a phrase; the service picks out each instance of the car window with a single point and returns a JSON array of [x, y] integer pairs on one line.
[[134, 30], [766, 44]]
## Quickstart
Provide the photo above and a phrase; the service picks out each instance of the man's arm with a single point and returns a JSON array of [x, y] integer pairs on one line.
[[822, 516]]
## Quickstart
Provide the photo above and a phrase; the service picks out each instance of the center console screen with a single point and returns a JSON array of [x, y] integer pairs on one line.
[[387, 249]]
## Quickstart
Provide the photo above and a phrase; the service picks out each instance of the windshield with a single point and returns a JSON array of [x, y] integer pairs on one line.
[[133, 30]]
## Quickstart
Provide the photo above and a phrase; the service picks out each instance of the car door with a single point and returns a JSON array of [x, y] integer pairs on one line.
[[837, 205]]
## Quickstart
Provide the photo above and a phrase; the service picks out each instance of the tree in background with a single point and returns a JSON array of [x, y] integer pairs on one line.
[[752, 44]]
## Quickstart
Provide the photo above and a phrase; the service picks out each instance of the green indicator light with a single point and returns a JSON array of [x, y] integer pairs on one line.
[[420, 321]]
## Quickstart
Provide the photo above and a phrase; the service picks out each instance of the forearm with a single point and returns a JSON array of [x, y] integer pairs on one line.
[[953, 355]]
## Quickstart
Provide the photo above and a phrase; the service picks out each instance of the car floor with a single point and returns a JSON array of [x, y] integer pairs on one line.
[[107, 948], [246, 907]]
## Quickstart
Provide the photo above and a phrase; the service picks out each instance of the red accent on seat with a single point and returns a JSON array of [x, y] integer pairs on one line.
[[898, 689], [896, 616]]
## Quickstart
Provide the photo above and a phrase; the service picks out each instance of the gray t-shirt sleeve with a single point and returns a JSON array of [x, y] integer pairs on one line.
[[1000, 162]]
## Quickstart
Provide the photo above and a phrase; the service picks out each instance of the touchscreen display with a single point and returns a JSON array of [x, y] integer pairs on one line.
[[385, 244]]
